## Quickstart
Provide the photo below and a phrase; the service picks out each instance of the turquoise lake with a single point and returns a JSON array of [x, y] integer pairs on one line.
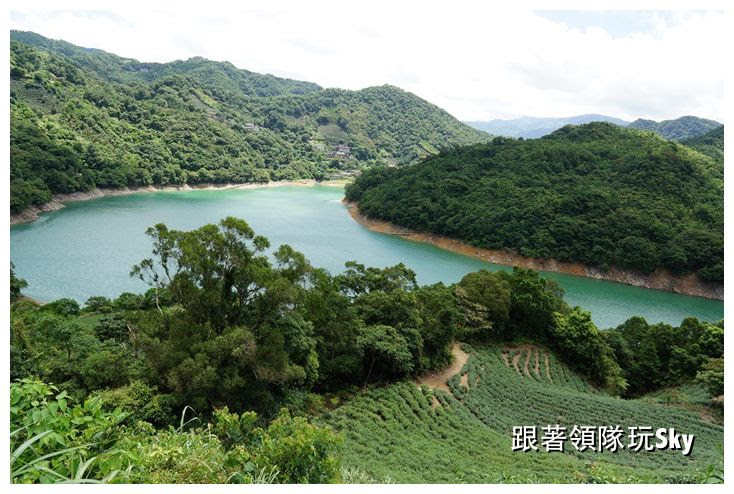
[[88, 248]]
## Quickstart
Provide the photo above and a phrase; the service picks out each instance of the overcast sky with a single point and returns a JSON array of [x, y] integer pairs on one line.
[[471, 59]]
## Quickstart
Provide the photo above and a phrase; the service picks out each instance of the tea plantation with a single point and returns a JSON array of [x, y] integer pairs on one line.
[[400, 433]]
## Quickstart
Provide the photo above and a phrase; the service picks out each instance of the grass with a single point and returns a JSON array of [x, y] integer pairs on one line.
[[90, 320], [394, 433]]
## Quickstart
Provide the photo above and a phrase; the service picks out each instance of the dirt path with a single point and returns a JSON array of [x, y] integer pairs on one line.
[[547, 368], [437, 380], [465, 380]]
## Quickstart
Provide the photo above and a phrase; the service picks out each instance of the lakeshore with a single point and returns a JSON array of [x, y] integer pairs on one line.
[[58, 201], [658, 280]]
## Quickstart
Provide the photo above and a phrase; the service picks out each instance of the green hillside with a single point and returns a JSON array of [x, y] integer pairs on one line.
[[82, 118], [711, 144], [400, 433], [596, 193], [678, 129]]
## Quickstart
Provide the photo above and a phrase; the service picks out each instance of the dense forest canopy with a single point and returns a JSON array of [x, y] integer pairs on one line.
[[681, 128], [82, 118], [597, 194], [711, 144]]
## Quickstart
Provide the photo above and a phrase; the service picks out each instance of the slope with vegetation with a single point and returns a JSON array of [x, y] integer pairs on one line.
[[596, 194], [711, 144], [84, 118], [681, 128], [396, 433], [254, 346]]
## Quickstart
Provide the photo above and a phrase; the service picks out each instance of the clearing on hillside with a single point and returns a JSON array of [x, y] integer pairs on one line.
[[437, 380]]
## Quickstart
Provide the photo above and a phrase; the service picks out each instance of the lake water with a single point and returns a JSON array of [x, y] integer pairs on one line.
[[88, 248]]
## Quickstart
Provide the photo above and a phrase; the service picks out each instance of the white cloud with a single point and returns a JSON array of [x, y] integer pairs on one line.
[[476, 61]]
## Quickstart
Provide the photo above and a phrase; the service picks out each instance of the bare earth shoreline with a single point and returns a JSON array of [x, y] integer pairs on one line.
[[659, 279], [31, 214]]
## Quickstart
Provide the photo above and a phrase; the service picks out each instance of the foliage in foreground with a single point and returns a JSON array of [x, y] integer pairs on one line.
[[55, 440]]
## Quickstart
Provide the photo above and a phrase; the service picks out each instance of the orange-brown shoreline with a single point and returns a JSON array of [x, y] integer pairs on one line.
[[659, 279]]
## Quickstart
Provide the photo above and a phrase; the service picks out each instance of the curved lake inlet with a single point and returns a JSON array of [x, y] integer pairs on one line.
[[88, 248]]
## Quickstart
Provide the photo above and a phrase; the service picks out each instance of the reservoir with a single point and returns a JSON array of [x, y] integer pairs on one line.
[[88, 248]]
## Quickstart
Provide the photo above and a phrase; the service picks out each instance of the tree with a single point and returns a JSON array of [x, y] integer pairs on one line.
[[384, 346], [214, 272], [440, 317], [711, 376], [358, 280], [63, 307], [492, 293], [575, 336], [98, 304], [16, 284], [652, 356], [337, 325], [534, 301], [112, 327]]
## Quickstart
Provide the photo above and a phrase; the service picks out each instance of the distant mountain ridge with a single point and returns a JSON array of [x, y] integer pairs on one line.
[[534, 127], [686, 127]]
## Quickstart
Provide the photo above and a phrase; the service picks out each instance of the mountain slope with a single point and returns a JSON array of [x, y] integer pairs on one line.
[[412, 434], [533, 127], [681, 128], [596, 194], [711, 144], [82, 118]]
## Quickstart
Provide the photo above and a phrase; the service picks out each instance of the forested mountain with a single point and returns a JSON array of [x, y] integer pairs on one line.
[[597, 194], [82, 118], [681, 128], [711, 144], [533, 127]]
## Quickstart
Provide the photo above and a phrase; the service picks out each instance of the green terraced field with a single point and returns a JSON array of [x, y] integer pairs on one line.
[[400, 433]]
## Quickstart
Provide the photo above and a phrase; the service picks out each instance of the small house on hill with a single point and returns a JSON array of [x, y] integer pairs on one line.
[[340, 151]]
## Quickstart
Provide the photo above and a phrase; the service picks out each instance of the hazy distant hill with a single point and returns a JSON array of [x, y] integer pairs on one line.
[[533, 127], [681, 128], [82, 118]]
